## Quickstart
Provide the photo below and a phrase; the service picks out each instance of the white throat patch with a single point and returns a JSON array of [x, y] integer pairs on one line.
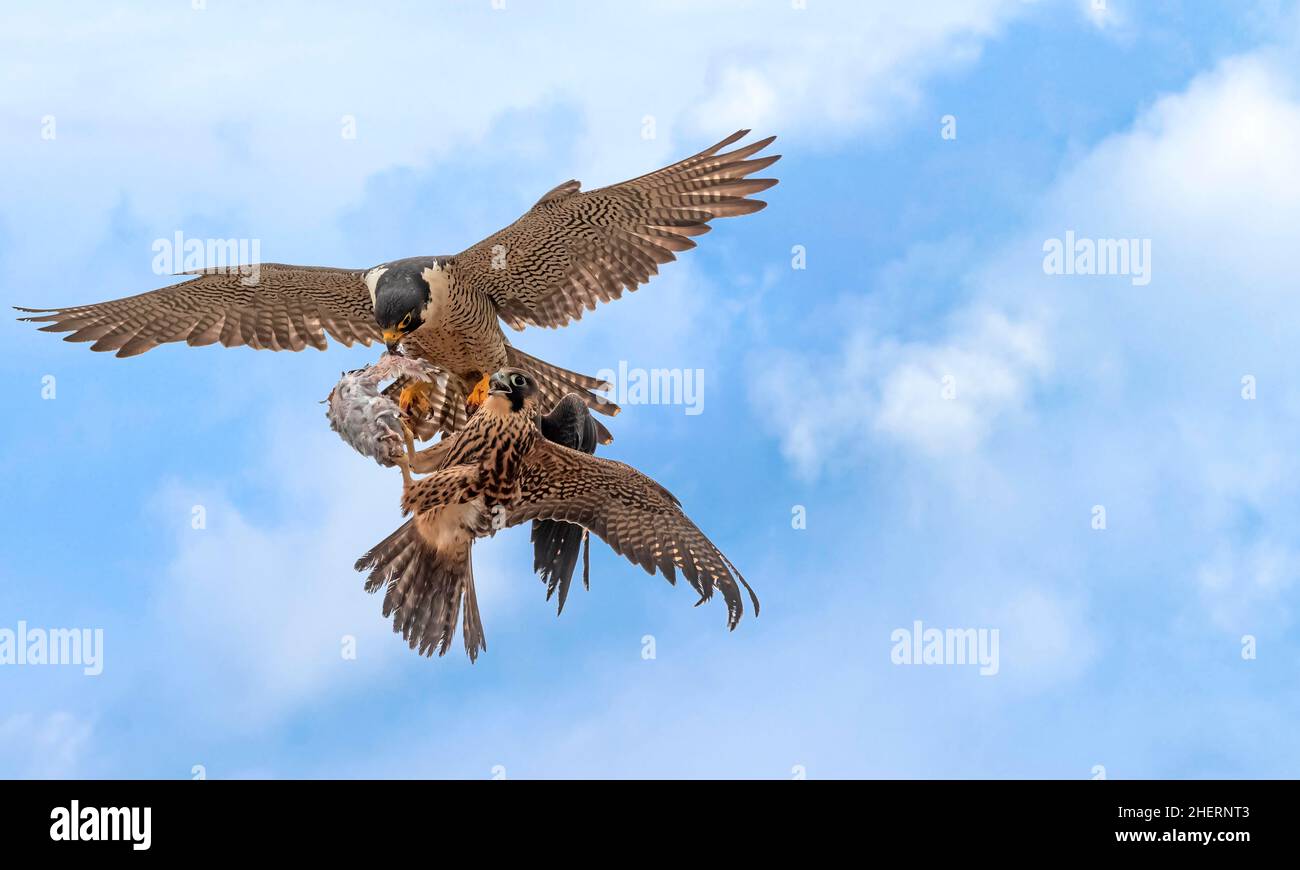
[[372, 280], [438, 282]]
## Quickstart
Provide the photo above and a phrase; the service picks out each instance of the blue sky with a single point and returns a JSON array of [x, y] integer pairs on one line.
[[949, 415]]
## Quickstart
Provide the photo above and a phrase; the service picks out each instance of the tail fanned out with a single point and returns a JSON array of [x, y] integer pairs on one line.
[[425, 587], [554, 383]]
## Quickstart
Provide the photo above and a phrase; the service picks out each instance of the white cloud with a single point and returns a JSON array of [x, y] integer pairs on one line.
[[932, 396], [947, 396], [1103, 14], [834, 69], [1076, 390], [1246, 588], [1044, 638], [51, 745], [1213, 166], [256, 99], [257, 603], [1211, 176]]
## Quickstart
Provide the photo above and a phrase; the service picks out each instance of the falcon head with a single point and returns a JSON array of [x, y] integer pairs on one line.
[[515, 385], [401, 295]]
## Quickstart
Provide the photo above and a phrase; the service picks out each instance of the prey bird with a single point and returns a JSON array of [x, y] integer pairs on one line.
[[570, 251], [500, 470]]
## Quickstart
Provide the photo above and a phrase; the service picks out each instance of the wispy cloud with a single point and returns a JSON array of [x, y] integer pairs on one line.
[[1138, 405], [263, 612], [49, 745]]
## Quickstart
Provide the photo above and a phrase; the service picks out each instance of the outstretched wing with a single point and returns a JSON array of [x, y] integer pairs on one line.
[[637, 517], [274, 307], [574, 249]]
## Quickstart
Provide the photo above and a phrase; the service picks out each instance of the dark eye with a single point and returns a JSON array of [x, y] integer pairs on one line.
[[406, 321], [518, 381]]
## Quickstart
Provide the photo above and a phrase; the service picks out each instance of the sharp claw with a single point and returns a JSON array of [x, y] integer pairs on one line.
[[413, 401], [409, 437]]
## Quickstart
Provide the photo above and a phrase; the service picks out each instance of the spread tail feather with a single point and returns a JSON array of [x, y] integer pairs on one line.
[[425, 588], [554, 383]]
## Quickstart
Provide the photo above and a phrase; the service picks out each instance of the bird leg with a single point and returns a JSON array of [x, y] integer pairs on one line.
[[404, 462]]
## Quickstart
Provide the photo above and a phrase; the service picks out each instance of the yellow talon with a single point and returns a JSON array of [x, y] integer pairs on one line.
[[413, 401], [479, 395]]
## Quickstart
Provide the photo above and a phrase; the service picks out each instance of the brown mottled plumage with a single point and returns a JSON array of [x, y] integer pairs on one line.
[[285, 308], [574, 249], [498, 472], [570, 251]]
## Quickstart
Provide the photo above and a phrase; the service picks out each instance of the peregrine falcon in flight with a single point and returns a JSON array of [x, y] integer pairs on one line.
[[571, 250], [499, 471]]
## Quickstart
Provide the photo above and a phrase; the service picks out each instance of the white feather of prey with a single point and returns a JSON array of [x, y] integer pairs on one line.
[[369, 421]]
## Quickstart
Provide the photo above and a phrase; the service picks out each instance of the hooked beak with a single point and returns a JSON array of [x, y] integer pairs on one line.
[[498, 385], [392, 338]]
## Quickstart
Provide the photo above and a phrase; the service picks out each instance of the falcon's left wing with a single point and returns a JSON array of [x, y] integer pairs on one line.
[[637, 517]]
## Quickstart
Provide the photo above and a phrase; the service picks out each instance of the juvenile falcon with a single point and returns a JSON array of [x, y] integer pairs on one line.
[[374, 426], [499, 471], [571, 250]]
